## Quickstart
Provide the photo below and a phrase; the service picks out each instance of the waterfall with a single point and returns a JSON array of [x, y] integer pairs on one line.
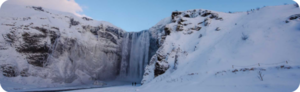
[[135, 49], [102, 59]]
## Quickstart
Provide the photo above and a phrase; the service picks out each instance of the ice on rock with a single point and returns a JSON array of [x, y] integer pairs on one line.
[[54, 48]]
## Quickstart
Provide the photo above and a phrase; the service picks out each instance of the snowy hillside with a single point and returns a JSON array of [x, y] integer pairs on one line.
[[205, 49], [202, 50]]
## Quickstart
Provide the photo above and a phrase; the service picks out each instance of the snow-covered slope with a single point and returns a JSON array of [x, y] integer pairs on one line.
[[205, 49]]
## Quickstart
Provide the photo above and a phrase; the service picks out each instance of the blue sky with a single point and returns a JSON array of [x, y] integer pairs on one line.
[[137, 15]]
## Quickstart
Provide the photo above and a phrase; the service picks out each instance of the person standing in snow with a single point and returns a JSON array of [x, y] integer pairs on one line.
[[134, 83]]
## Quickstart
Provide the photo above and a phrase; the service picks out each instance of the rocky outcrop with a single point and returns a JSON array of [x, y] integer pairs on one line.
[[293, 17], [9, 70], [161, 67], [87, 19], [179, 23], [38, 8], [73, 22], [36, 51]]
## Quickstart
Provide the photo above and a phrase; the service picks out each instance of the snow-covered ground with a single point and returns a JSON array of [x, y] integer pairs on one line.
[[255, 52], [275, 80]]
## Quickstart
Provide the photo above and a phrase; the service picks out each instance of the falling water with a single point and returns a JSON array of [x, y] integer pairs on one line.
[[102, 61], [135, 49]]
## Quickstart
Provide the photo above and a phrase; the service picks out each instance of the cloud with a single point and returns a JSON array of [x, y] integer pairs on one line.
[[60, 5]]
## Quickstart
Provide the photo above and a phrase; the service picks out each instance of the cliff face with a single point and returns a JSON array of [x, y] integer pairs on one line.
[[60, 45], [41, 44]]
